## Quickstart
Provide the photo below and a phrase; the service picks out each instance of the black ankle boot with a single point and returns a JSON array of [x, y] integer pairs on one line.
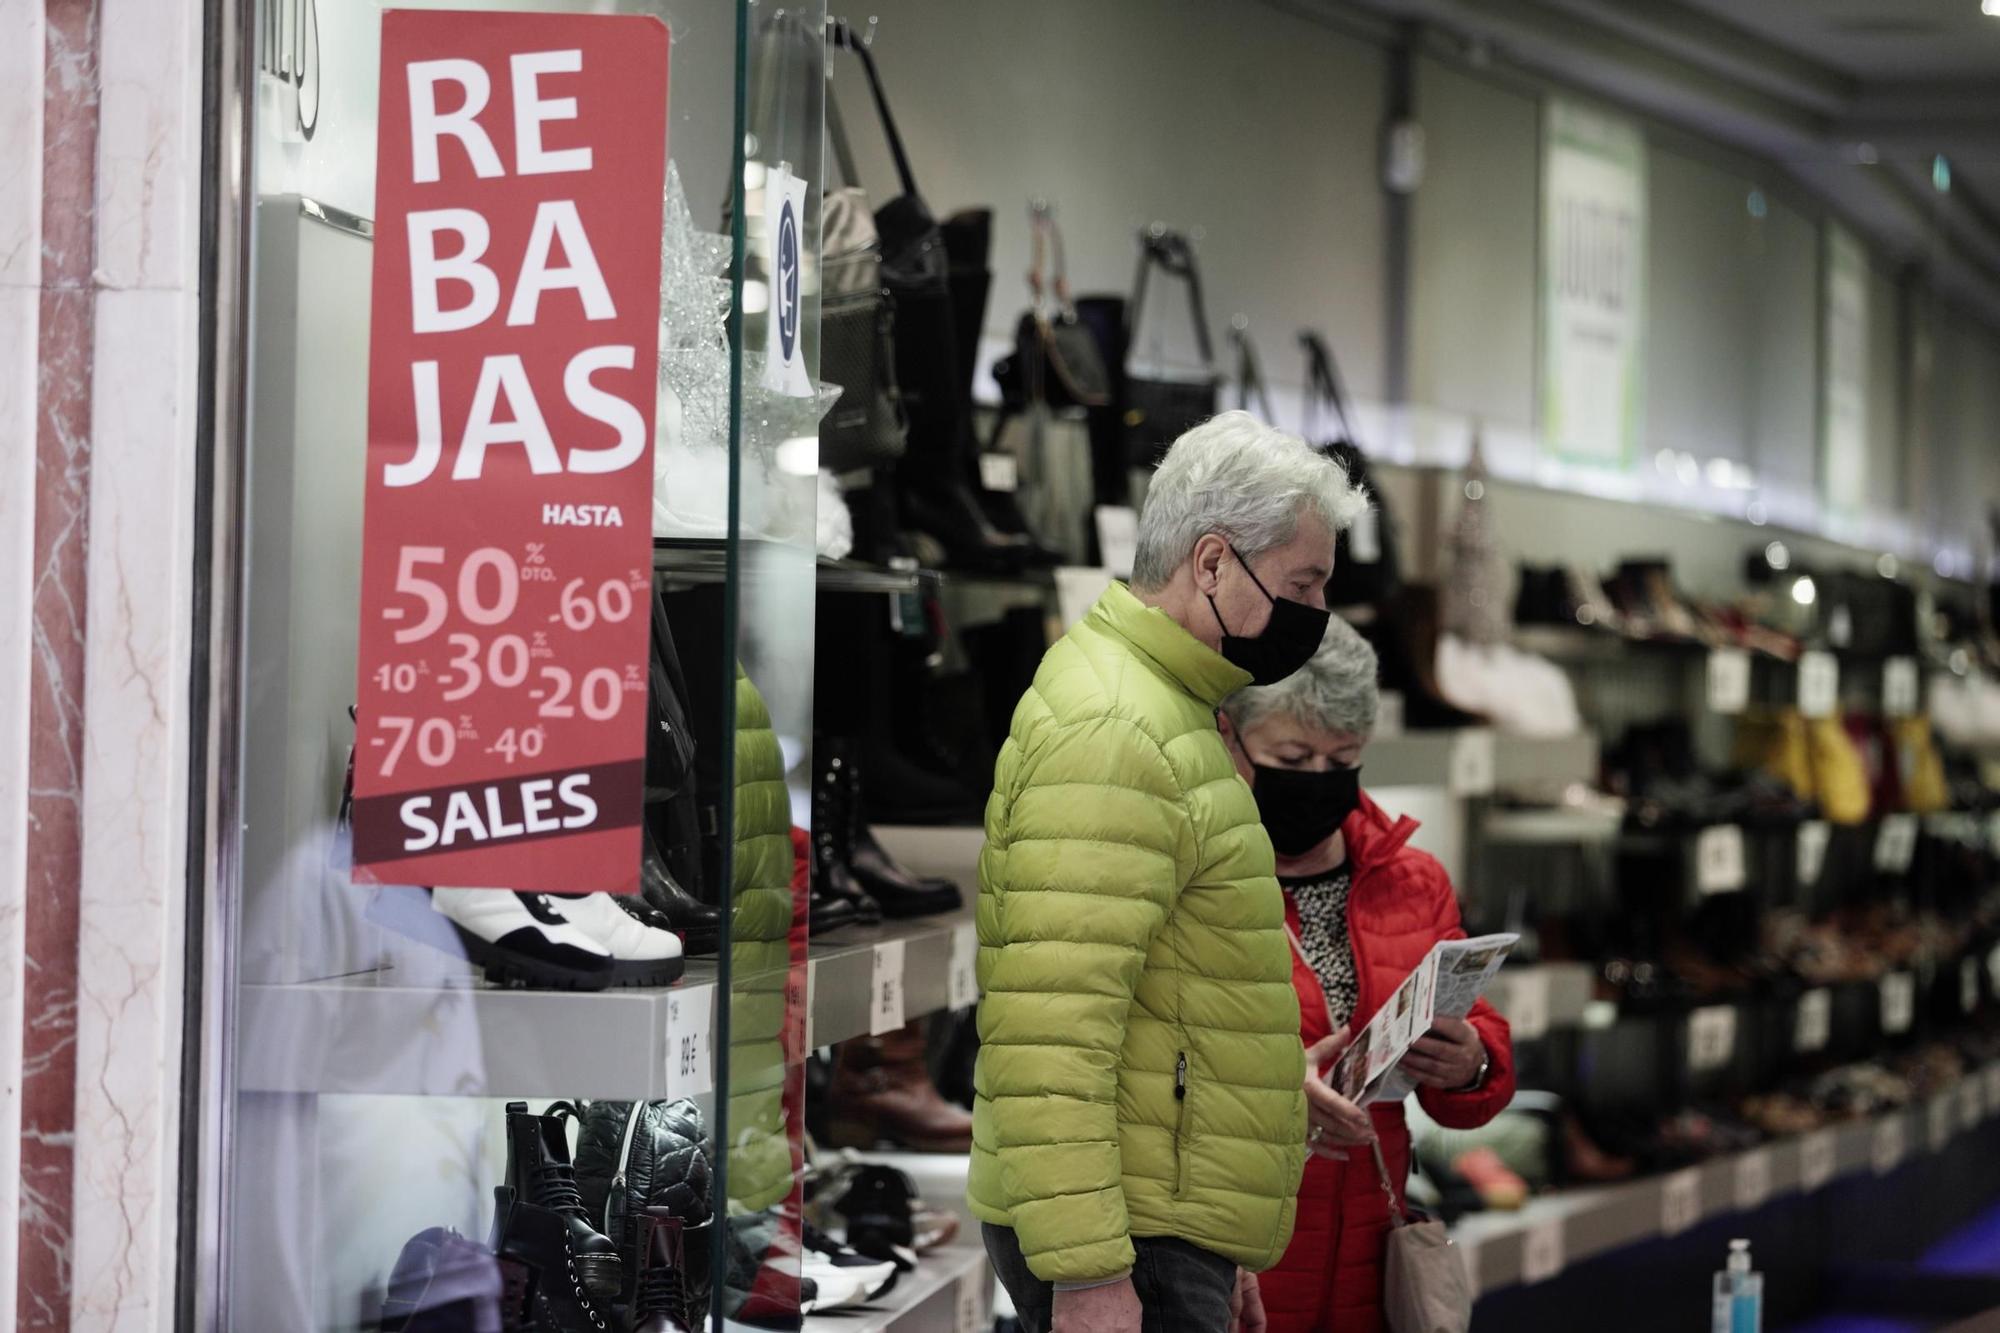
[[660, 1297], [832, 841], [539, 1223], [900, 893], [699, 924]]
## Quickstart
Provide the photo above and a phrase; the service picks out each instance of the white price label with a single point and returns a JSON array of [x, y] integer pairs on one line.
[[1527, 1010], [1814, 835], [999, 472], [1971, 1102], [1885, 1151], [1542, 1251], [1117, 538], [962, 981], [1968, 984], [1818, 1152], [1899, 1002], [968, 1306], [812, 989], [1680, 1201], [1718, 859], [690, 1028], [1753, 1179], [1899, 686], [1711, 1037], [1813, 1024], [1940, 1120], [887, 1010], [1895, 843], [1728, 680], [1471, 771], [1364, 539], [1819, 684]]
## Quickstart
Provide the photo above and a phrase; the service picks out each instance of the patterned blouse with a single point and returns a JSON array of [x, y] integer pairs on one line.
[[1323, 936]]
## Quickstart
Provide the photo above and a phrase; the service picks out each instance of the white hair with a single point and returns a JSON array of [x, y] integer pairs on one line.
[[1334, 692], [1248, 482]]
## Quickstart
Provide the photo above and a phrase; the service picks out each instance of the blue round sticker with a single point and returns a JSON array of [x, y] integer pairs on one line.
[[788, 281]]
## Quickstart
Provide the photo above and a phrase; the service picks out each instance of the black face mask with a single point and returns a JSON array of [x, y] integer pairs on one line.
[[1301, 810], [1289, 639]]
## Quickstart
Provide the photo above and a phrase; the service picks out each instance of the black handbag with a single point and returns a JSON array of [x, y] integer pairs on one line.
[[1366, 571], [631, 1156], [1056, 359], [1250, 375], [1160, 406]]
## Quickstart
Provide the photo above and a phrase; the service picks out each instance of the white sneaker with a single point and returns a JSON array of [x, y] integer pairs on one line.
[[640, 954], [521, 941]]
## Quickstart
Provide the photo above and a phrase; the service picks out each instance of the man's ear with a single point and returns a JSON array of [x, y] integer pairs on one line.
[[1226, 727], [1210, 550]]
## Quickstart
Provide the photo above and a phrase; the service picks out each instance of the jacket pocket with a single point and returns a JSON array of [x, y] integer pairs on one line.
[[1183, 1149]]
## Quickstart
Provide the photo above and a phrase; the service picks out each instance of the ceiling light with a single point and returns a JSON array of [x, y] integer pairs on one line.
[[1803, 591], [1990, 8], [1777, 557]]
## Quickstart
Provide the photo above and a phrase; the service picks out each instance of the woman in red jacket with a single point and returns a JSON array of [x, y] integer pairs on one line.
[[1364, 908]]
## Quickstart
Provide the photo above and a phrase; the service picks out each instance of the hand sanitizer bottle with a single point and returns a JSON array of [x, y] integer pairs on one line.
[[1739, 1294]]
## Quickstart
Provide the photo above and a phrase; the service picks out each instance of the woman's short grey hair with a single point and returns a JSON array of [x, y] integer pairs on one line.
[[1334, 692], [1247, 481]]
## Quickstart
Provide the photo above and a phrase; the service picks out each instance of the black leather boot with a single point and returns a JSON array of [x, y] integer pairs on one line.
[[539, 1223], [900, 893], [660, 1297], [699, 924], [832, 870]]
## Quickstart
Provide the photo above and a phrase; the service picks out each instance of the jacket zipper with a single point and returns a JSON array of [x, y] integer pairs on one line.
[[1181, 1146], [624, 1164]]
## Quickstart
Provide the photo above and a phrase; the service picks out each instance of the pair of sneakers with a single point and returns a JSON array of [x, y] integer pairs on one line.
[[555, 941]]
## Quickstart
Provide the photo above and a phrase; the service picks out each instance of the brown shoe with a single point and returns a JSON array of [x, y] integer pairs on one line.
[[882, 1091]]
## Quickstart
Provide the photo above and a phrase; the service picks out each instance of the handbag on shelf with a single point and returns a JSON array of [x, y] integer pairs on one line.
[[1161, 404], [865, 428], [1426, 1287], [1366, 571]]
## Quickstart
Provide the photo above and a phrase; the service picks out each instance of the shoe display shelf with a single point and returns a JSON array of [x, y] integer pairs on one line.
[[621, 1043], [949, 1291], [1474, 761], [1561, 1230], [689, 561]]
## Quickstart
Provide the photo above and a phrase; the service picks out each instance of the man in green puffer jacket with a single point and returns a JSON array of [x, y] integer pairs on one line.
[[1139, 1130]]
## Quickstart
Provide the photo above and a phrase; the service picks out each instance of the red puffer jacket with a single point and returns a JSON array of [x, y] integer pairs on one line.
[[1400, 904]]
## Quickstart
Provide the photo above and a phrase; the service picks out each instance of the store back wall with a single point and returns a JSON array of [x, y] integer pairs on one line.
[[1252, 125]]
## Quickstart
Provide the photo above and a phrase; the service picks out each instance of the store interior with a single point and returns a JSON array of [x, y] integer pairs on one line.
[[1704, 706]]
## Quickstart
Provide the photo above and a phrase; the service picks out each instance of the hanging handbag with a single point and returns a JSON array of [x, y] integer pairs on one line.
[[1366, 571], [1161, 404], [1426, 1287], [1056, 359], [1250, 374]]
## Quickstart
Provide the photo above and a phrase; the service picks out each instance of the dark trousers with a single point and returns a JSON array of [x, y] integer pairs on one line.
[[1182, 1288]]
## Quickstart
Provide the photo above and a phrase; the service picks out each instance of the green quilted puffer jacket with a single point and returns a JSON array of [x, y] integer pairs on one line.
[[1139, 1071], [760, 1154]]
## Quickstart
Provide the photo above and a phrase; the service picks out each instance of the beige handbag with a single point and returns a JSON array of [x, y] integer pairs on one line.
[[1425, 1285]]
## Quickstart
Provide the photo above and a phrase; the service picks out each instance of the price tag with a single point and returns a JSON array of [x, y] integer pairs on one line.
[[1971, 1102], [1814, 834], [690, 1029], [1753, 1179], [1819, 684], [1680, 1201], [999, 472], [968, 1305], [1718, 859], [1542, 1251], [1471, 769], [962, 980], [1940, 1119], [812, 991], [1899, 686], [1117, 538], [1968, 984], [1813, 1023], [1895, 843], [1728, 680], [1885, 1151], [887, 1010], [1364, 539], [1527, 1010], [1818, 1152], [1899, 1002], [1711, 1037]]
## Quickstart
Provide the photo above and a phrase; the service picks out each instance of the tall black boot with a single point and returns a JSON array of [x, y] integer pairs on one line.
[[900, 893], [539, 1224], [832, 847]]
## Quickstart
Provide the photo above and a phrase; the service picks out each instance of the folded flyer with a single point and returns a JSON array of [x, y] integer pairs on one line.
[[1445, 985]]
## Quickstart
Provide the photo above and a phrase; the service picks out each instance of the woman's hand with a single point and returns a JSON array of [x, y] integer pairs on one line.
[[1448, 1056], [1246, 1304], [1333, 1121]]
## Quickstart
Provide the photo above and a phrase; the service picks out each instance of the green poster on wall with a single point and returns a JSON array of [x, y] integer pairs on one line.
[[1593, 284]]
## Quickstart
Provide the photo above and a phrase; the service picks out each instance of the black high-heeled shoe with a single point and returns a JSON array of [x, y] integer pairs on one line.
[[539, 1225]]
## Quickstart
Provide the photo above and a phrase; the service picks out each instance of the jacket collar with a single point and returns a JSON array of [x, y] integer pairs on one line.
[[1372, 838], [1170, 650]]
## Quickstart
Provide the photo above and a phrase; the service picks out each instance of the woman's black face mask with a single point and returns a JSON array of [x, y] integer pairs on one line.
[[1301, 810]]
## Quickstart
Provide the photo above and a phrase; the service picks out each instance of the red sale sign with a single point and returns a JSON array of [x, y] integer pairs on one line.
[[507, 545]]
